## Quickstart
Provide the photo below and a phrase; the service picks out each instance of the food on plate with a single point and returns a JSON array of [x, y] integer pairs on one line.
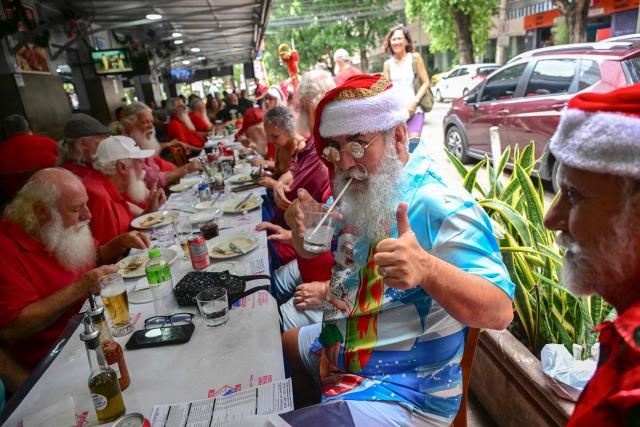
[[134, 264], [154, 219], [226, 249]]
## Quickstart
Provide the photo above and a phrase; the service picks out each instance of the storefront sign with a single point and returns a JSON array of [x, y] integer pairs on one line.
[[597, 8]]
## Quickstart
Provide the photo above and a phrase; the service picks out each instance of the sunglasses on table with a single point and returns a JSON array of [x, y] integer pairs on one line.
[[357, 149], [176, 319]]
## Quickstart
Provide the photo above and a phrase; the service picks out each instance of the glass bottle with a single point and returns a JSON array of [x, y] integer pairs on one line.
[[158, 274], [103, 381], [112, 350]]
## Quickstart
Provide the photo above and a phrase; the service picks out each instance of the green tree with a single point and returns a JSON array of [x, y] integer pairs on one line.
[[316, 28], [459, 25], [575, 13]]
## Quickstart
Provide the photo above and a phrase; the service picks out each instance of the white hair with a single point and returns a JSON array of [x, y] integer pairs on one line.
[[38, 189], [107, 168], [313, 86], [131, 111]]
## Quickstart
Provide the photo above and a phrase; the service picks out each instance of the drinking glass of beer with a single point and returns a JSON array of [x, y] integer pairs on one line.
[[115, 300]]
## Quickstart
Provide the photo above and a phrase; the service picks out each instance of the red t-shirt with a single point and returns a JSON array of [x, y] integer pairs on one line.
[[21, 156], [198, 122], [28, 273], [343, 75], [612, 397], [177, 130], [110, 214]]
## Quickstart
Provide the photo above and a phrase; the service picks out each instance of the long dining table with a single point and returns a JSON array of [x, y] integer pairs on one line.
[[243, 353]]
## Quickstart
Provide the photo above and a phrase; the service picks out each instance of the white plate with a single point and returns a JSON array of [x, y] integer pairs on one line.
[[176, 188], [233, 267], [245, 241], [140, 295], [204, 216], [153, 220], [208, 205], [230, 205], [241, 178], [170, 254]]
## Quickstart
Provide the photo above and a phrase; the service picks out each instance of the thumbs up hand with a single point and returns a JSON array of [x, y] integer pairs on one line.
[[401, 261]]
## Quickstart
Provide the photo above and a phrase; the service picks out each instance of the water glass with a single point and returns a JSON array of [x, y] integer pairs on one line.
[[318, 241], [165, 236], [214, 306], [184, 230], [116, 302]]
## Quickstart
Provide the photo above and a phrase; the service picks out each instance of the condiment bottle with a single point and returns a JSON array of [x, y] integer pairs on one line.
[[112, 350], [103, 381]]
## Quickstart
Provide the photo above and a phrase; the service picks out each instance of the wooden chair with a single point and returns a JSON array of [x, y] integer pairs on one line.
[[466, 363], [178, 153]]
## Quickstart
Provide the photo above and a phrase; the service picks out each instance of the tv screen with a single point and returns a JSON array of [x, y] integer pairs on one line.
[[181, 75], [112, 61]]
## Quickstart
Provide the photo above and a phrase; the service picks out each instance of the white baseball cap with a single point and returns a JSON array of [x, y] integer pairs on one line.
[[120, 147], [341, 54]]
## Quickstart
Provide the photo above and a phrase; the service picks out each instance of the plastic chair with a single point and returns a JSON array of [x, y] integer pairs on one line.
[[466, 363], [178, 153]]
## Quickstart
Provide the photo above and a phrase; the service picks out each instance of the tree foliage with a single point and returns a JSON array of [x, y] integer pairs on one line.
[[316, 28], [459, 25], [576, 13]]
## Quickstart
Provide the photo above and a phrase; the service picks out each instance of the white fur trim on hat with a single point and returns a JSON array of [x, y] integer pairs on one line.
[[363, 115], [601, 142]]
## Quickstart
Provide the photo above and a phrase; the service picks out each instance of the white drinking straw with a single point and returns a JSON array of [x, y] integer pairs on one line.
[[335, 202]]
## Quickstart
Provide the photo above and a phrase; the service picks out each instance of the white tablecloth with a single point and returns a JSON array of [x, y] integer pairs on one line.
[[243, 353]]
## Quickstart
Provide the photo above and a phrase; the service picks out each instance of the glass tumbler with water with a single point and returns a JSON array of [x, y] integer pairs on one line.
[[116, 301], [318, 241], [213, 306]]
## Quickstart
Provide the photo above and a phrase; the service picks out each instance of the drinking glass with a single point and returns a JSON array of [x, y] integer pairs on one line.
[[116, 302], [318, 241], [213, 306], [183, 231]]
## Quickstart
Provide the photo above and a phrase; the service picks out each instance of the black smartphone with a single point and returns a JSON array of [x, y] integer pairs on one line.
[[160, 336]]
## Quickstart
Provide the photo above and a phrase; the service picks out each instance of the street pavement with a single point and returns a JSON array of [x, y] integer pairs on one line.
[[433, 136]]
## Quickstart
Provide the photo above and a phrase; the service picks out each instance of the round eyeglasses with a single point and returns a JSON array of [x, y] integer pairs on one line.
[[355, 148]]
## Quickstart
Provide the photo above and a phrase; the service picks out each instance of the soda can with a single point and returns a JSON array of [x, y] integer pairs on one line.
[[133, 419], [199, 253]]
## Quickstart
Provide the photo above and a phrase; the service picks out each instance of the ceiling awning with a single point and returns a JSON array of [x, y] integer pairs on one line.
[[204, 32]]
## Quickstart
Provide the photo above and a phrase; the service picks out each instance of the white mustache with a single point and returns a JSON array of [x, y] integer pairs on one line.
[[566, 241]]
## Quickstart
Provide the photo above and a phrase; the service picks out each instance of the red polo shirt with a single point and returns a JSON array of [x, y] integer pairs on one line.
[[177, 130], [612, 397], [22, 155], [28, 273], [110, 214], [198, 122]]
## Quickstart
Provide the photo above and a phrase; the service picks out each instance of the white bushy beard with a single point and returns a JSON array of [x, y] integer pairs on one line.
[[137, 188], [186, 120], [73, 247], [146, 140], [610, 264], [369, 207]]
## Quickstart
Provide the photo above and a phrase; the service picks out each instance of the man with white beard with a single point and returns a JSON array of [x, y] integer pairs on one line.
[[416, 264], [137, 120], [598, 146], [119, 187], [48, 264], [180, 126]]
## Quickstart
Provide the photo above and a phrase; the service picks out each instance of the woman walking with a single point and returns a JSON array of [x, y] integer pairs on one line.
[[403, 68]]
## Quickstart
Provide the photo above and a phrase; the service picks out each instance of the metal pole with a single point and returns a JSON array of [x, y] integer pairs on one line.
[[496, 149], [502, 23]]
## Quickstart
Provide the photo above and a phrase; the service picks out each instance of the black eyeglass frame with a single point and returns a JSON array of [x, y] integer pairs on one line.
[[168, 319]]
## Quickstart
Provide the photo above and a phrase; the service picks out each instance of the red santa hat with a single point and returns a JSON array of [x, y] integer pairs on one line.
[[600, 132], [364, 103]]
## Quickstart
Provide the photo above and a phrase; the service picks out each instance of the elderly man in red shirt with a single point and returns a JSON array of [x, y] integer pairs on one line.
[[137, 120], [598, 146], [180, 126], [22, 154], [120, 166], [198, 116], [49, 262]]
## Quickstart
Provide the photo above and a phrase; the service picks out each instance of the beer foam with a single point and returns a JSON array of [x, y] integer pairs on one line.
[[113, 290]]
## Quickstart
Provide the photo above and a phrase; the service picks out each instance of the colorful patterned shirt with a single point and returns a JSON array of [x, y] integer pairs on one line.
[[381, 343], [612, 397]]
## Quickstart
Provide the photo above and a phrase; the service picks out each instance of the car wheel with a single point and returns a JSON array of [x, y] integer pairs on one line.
[[439, 97], [465, 91], [555, 182], [456, 143]]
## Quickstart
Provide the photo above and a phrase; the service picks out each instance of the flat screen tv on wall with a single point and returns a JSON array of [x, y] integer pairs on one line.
[[112, 61]]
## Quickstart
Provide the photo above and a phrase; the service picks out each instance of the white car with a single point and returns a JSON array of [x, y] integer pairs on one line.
[[461, 80]]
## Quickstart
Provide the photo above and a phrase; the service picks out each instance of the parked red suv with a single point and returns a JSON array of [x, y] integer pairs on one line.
[[525, 97]]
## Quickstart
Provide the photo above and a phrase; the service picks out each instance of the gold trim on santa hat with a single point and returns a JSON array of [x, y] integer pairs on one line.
[[359, 93]]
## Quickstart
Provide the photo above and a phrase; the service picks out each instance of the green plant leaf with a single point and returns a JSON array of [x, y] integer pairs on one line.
[[496, 185], [457, 164], [533, 203], [470, 180], [512, 218]]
